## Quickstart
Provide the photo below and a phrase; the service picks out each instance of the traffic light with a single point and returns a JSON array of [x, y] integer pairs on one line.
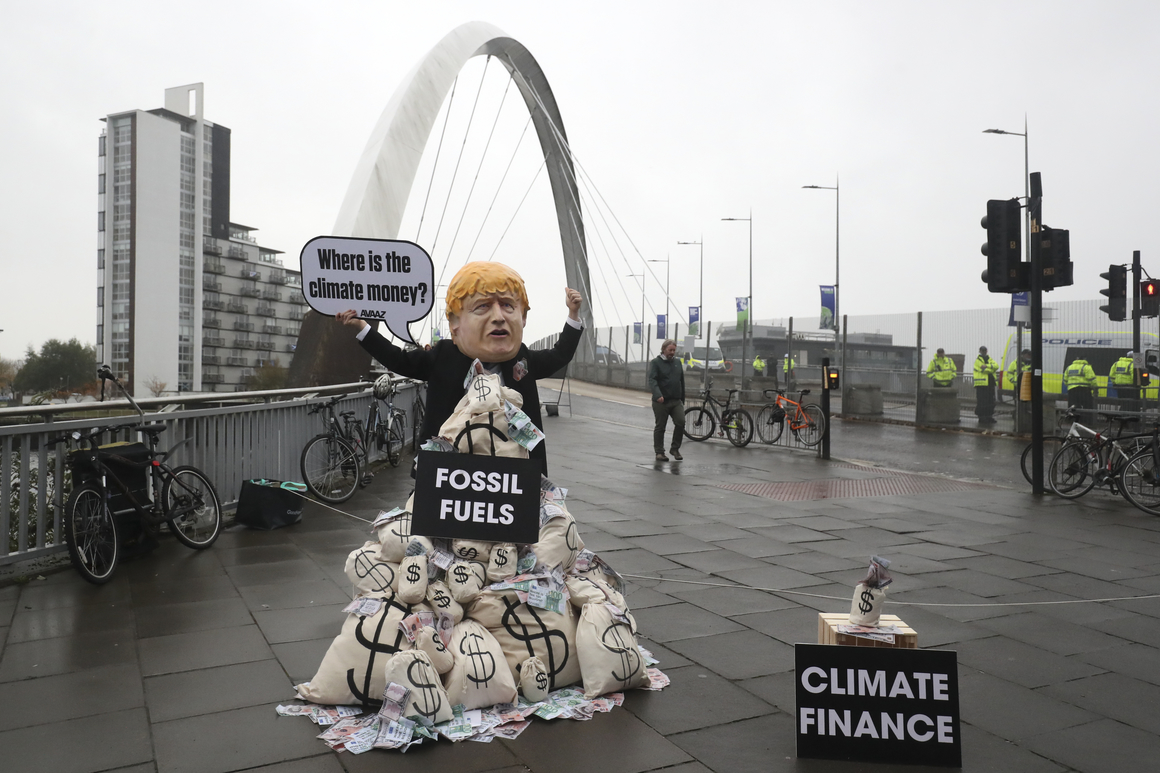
[[1117, 292], [1055, 257], [1006, 272], [1149, 298], [830, 378]]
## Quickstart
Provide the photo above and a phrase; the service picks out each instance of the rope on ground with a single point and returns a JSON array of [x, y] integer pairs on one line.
[[328, 507], [781, 592]]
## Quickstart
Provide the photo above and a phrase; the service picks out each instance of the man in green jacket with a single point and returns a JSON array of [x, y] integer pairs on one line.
[[666, 381], [985, 369], [1080, 380]]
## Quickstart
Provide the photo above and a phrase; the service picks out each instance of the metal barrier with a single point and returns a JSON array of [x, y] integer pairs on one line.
[[230, 443]]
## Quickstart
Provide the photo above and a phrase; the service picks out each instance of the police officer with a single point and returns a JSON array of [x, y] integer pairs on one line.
[[984, 377], [1016, 370], [787, 369], [758, 365], [1080, 380], [1122, 376], [941, 370]]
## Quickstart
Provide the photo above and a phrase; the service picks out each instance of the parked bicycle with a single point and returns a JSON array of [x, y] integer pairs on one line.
[[1140, 478], [332, 462], [1090, 457], [122, 488], [703, 420], [419, 411], [806, 422], [387, 427]]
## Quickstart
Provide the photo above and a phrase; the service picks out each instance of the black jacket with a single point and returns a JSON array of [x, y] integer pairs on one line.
[[666, 378], [444, 368]]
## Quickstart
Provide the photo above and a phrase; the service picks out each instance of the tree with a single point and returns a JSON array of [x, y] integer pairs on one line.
[[57, 366], [8, 371], [156, 386], [271, 375]]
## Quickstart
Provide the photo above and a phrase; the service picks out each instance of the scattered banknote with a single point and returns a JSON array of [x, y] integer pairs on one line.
[[386, 516]]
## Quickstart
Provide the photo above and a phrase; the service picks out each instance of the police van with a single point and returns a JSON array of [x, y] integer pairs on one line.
[[1061, 348]]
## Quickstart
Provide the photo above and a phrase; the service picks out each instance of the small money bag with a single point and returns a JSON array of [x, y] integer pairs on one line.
[[870, 594]]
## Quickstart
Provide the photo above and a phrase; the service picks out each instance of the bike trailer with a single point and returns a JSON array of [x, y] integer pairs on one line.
[[269, 504]]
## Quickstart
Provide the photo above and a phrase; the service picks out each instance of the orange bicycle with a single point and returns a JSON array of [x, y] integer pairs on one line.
[[806, 422]]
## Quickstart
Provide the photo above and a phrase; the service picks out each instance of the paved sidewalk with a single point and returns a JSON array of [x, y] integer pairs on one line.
[[177, 663]]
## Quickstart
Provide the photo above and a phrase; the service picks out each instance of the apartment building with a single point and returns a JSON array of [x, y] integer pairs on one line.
[[186, 299]]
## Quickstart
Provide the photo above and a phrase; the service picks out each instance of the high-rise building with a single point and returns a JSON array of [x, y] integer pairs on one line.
[[186, 299]]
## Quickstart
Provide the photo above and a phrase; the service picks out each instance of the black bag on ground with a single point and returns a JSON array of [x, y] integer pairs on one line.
[[269, 504]]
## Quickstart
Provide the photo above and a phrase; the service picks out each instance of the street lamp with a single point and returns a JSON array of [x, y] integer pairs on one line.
[[668, 318], [749, 300], [837, 253], [701, 290], [642, 333]]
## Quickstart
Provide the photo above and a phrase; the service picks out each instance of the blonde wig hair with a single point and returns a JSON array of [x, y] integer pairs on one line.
[[483, 278]]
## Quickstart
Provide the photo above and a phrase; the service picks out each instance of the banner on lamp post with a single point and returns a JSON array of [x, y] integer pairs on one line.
[[636, 326], [662, 327], [742, 313], [695, 321], [828, 320]]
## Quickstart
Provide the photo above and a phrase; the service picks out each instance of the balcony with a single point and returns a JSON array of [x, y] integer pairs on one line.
[[243, 343], [266, 345], [271, 294], [278, 279], [208, 283], [291, 347], [236, 252], [238, 361], [249, 273], [272, 329], [266, 311], [211, 322], [213, 305], [211, 247], [211, 359], [252, 292], [212, 341], [212, 378], [293, 331], [241, 325], [237, 307], [296, 314], [296, 297], [214, 267]]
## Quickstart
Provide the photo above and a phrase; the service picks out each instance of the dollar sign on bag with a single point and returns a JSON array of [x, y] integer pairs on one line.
[[541, 680], [380, 574], [413, 573], [442, 600], [402, 529], [425, 689], [614, 640], [867, 602], [482, 390], [500, 558], [461, 575], [511, 618], [469, 553], [482, 671], [375, 646]]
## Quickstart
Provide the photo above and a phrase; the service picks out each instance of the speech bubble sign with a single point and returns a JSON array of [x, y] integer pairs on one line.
[[379, 278]]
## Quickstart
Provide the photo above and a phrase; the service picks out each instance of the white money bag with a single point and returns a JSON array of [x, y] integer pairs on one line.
[[479, 425], [610, 659], [440, 598], [369, 574], [866, 606], [413, 579], [533, 680], [394, 536], [428, 641], [466, 579], [559, 543], [414, 670], [504, 558], [471, 550], [480, 677]]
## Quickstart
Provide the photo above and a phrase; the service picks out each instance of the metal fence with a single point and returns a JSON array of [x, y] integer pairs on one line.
[[231, 443], [884, 361]]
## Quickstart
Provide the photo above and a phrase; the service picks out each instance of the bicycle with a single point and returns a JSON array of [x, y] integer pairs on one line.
[[806, 422], [1089, 458], [1140, 477], [419, 411], [143, 484], [387, 427], [703, 420], [332, 462]]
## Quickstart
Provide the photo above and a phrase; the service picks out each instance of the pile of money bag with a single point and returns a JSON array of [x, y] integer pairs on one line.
[[473, 623]]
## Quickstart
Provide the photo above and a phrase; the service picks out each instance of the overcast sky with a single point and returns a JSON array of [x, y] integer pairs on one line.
[[681, 113]]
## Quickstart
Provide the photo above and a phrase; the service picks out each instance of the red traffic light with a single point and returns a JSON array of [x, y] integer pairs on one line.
[[1149, 298]]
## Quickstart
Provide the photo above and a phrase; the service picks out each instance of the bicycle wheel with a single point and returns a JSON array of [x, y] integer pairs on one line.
[[395, 441], [91, 534], [1051, 444], [331, 468], [738, 426], [699, 424], [192, 506], [768, 429], [1140, 482], [379, 429], [1072, 470], [419, 414], [813, 426]]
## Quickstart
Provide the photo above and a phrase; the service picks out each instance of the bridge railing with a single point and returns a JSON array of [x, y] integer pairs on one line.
[[234, 437]]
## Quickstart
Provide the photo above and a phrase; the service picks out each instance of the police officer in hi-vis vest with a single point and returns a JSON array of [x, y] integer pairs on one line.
[[1080, 380], [985, 369], [1122, 377]]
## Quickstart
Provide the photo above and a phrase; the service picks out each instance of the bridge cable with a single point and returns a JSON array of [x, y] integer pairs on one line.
[[518, 207], [499, 188], [435, 165]]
